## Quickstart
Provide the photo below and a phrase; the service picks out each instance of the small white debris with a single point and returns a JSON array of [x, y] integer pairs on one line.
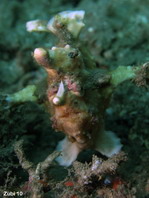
[[53, 48], [95, 165], [67, 46], [90, 29]]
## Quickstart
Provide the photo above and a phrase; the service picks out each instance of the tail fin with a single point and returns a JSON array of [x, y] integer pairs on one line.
[[69, 150], [108, 143]]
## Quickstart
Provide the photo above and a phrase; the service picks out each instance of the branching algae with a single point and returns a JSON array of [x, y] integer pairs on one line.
[[78, 92]]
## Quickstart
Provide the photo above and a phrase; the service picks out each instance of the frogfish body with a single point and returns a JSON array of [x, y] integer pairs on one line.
[[76, 103], [77, 92]]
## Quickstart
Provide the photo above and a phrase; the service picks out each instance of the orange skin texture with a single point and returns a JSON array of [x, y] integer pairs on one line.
[[71, 121]]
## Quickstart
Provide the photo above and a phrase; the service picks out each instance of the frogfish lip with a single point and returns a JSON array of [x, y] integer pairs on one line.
[[41, 56]]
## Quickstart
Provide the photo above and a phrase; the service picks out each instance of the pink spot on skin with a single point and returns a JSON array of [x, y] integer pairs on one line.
[[72, 86]]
